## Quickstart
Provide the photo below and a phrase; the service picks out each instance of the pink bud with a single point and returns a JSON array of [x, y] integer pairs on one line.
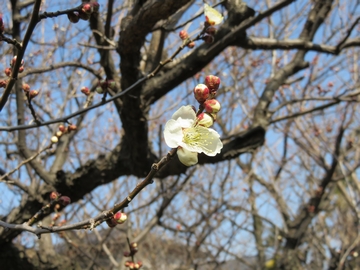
[[26, 87], [54, 195], [73, 17], [87, 8], [72, 127], [62, 128], [205, 120], [201, 92], [64, 200], [191, 44], [212, 82], [183, 34], [120, 217], [21, 69], [85, 90], [8, 72], [33, 93], [212, 106], [127, 254]]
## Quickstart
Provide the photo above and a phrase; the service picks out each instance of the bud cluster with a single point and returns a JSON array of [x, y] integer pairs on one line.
[[63, 200], [62, 130], [30, 93], [133, 250], [118, 218], [104, 85], [8, 70], [204, 94], [84, 13]]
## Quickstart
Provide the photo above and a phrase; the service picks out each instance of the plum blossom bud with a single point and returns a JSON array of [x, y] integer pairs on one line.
[[73, 17], [191, 44], [64, 200], [26, 87], [87, 8], [33, 93], [183, 34], [8, 72], [134, 247], [120, 217], [85, 90], [54, 195], [99, 90], [58, 134], [127, 254], [205, 120], [3, 83], [72, 127], [111, 84], [201, 92], [54, 139], [111, 222], [208, 38], [212, 106], [62, 128], [21, 69], [212, 82]]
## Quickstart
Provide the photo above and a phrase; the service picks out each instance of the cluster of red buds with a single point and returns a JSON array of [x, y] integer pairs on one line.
[[104, 85], [8, 70], [31, 93], [118, 218], [84, 13], [2, 27], [133, 250], [63, 200], [183, 34], [204, 94], [62, 130]]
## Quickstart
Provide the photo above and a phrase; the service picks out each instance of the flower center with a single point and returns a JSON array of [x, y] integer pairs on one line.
[[191, 136]]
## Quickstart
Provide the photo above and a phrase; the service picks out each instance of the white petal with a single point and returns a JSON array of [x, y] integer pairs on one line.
[[186, 157], [212, 14], [202, 140], [184, 112], [173, 133]]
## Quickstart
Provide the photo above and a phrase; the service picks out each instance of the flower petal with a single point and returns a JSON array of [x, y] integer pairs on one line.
[[186, 157], [202, 140], [173, 133], [212, 16], [184, 112]]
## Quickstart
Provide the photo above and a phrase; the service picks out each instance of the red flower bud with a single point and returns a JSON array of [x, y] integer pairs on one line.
[[120, 217], [85, 90], [72, 127], [191, 44], [127, 254], [87, 8], [204, 119], [201, 92], [21, 69], [64, 200], [212, 106], [212, 82], [54, 195], [62, 128], [73, 17], [8, 72], [33, 93], [183, 34], [26, 87]]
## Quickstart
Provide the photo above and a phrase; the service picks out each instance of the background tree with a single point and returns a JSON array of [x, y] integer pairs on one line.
[[282, 194]]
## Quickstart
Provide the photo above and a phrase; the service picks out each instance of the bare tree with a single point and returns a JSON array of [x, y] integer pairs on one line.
[[84, 104]]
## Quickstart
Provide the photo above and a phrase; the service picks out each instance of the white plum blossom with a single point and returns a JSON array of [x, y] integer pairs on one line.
[[183, 132], [213, 17]]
